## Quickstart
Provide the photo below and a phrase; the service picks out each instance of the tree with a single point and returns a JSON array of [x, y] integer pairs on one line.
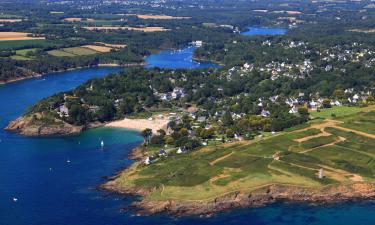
[[169, 140], [227, 119], [303, 111], [229, 133], [207, 133], [184, 132], [370, 100], [106, 112], [146, 134], [326, 103], [162, 132], [157, 140], [338, 94]]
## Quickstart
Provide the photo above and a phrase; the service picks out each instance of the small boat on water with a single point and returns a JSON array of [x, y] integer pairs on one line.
[[68, 161], [102, 144], [15, 199]]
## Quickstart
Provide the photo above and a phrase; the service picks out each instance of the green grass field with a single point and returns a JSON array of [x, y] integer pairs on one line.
[[72, 52], [19, 57], [362, 122], [336, 111], [27, 44], [292, 157], [22, 54]]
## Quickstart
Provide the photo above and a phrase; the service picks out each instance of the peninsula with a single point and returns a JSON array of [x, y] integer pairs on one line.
[[326, 161]]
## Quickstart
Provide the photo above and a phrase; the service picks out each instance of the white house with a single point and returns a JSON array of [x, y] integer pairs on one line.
[[265, 113], [293, 110], [197, 43], [313, 105], [63, 111]]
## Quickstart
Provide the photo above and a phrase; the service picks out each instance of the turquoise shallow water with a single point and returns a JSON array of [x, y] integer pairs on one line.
[[52, 191]]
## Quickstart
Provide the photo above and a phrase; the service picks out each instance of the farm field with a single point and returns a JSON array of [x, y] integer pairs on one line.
[[111, 45], [19, 57], [369, 31], [14, 36], [77, 19], [22, 54], [98, 48], [158, 17], [72, 52], [25, 44], [144, 29], [10, 20], [288, 158]]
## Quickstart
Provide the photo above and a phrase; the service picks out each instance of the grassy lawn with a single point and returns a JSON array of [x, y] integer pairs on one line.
[[338, 111]]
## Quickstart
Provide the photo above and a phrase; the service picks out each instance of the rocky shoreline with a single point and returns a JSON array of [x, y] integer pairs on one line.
[[26, 127], [239, 199]]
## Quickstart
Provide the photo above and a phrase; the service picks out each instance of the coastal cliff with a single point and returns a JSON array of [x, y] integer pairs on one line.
[[241, 199], [28, 126]]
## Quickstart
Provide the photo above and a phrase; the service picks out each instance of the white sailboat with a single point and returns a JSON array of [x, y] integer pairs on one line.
[[102, 143]]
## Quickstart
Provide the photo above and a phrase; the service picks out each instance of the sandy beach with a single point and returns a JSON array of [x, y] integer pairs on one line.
[[140, 124]]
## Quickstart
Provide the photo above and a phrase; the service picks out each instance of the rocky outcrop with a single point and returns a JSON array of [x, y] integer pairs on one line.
[[238, 199], [136, 154], [27, 127]]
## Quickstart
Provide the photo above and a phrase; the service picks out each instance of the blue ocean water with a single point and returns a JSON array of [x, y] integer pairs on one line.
[[254, 31], [177, 59], [55, 179]]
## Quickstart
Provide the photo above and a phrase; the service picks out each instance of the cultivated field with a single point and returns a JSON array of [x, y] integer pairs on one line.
[[10, 20], [144, 29], [77, 19], [345, 153], [22, 54], [91, 49], [369, 31], [158, 17], [25, 44], [111, 45], [98, 48], [71, 52], [13, 36]]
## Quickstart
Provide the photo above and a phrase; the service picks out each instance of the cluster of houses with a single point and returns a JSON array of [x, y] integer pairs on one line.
[[339, 53], [177, 93], [276, 69], [347, 53]]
